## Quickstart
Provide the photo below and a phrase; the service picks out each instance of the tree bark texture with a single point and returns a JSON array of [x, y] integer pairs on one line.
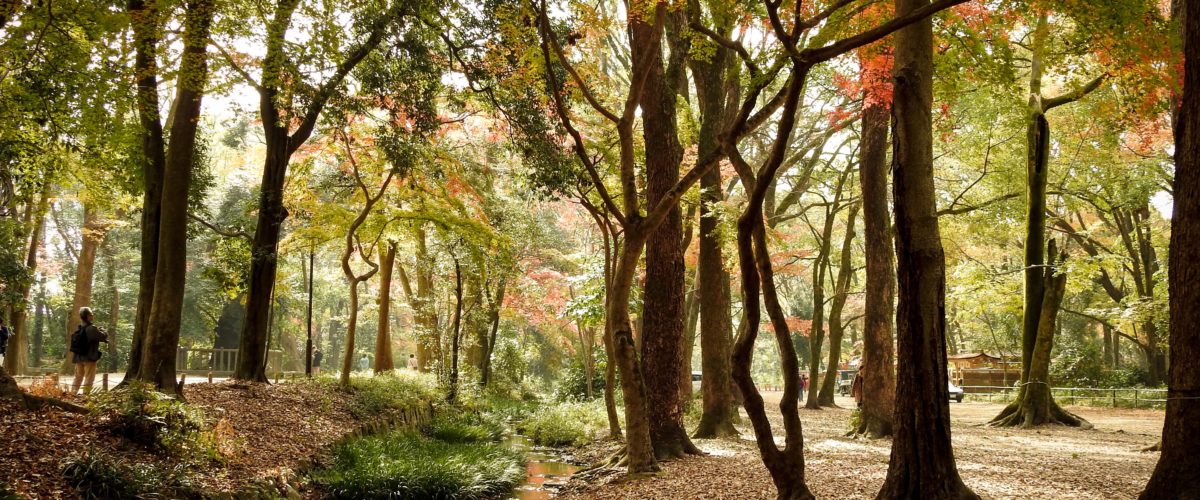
[[878, 361], [383, 338], [1177, 474], [922, 460]]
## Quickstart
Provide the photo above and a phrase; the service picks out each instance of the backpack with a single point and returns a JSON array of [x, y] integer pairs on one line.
[[79, 341]]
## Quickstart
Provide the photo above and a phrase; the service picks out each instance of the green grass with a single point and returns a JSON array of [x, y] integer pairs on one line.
[[466, 427], [383, 393], [94, 475], [566, 424], [408, 465]]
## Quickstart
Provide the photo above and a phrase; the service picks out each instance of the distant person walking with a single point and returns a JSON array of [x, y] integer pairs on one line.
[[363, 363], [412, 362], [85, 351], [316, 363], [856, 386], [5, 334]]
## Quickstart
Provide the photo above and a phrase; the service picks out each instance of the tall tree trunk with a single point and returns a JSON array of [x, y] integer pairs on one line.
[[878, 361], [494, 306], [17, 360], [166, 309], [639, 452], [281, 142], [114, 302], [85, 271], [147, 22], [427, 332], [663, 329], [816, 335], [39, 323], [1177, 474], [383, 339], [351, 330], [456, 333], [922, 460], [840, 293]]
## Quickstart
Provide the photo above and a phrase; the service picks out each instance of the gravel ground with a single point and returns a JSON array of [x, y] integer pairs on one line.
[[1050, 462]]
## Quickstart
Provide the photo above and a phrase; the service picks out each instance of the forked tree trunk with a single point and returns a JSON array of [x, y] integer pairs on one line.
[[1177, 474], [383, 339], [161, 343], [146, 22], [878, 362], [1034, 404], [160, 347], [922, 460]]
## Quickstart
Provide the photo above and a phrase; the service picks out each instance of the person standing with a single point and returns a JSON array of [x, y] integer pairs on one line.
[[412, 362], [856, 386], [316, 362], [363, 363], [85, 351], [5, 334]]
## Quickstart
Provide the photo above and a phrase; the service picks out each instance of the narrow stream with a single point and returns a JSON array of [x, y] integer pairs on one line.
[[546, 473]]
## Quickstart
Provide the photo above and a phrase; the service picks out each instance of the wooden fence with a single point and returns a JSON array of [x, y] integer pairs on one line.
[[1087, 396]]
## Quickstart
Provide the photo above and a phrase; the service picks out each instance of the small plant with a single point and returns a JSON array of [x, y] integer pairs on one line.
[[407, 465], [566, 424]]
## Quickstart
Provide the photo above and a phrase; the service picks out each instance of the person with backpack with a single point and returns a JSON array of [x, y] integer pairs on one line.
[[5, 334], [317, 356], [85, 351]]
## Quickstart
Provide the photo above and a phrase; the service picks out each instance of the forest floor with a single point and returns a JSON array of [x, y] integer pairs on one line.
[[1048, 462], [267, 433]]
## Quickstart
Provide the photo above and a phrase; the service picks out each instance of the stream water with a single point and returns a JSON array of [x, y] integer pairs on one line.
[[546, 470]]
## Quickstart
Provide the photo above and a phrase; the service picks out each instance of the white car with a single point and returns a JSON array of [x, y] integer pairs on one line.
[[956, 392]]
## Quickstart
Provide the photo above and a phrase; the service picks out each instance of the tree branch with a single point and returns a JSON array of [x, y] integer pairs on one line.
[[1073, 95]]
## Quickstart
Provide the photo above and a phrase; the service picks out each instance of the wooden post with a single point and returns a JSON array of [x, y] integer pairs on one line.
[[1135, 398], [104, 381], [210, 377]]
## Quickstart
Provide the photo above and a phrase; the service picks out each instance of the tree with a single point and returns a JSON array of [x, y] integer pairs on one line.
[[1177, 474], [922, 461], [160, 340], [285, 130], [878, 360], [1036, 410], [383, 338]]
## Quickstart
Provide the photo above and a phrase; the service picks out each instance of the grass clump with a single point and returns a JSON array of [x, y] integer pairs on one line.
[[466, 427], [408, 465], [566, 424], [94, 475]]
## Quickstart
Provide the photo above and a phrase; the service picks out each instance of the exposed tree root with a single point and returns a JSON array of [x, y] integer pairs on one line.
[[621, 459], [10, 391], [1154, 447], [1027, 416]]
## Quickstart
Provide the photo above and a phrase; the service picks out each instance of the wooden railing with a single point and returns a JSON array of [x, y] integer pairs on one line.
[[1090, 396], [220, 362]]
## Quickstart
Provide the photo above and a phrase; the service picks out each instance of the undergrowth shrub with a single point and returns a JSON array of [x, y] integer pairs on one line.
[[408, 465], [151, 418], [566, 424], [94, 475]]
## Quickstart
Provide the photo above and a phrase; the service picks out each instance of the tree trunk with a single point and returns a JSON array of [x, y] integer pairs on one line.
[[878, 361], [840, 294], [166, 309], [147, 23], [383, 339], [692, 308], [39, 323], [114, 303], [494, 318], [664, 315], [17, 361], [1177, 474], [85, 271], [639, 452], [816, 335], [922, 460], [456, 333], [426, 314], [351, 330]]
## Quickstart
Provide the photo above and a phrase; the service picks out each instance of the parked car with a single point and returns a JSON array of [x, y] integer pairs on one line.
[[844, 380], [695, 382], [956, 392]]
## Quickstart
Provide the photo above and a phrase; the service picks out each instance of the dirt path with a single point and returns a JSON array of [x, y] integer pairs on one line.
[[1051, 462]]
